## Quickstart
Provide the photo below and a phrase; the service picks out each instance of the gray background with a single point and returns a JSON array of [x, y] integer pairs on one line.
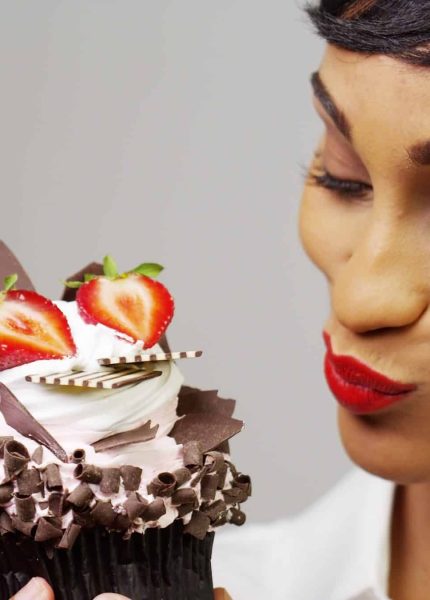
[[176, 131]]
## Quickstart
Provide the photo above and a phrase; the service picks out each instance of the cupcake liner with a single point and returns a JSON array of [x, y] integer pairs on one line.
[[161, 564]]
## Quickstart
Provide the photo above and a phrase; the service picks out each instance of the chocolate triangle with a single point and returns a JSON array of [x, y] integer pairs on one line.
[[210, 430], [193, 400], [9, 265]]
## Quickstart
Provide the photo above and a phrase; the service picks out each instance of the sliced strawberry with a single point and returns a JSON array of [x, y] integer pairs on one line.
[[133, 304], [31, 328]]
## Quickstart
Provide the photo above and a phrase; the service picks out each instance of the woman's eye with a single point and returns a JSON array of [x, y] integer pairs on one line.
[[343, 187]]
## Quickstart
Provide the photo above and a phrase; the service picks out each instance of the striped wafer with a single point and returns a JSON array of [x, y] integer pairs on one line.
[[141, 358], [109, 380]]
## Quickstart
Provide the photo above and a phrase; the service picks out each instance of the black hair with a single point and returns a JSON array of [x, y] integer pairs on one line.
[[399, 28]]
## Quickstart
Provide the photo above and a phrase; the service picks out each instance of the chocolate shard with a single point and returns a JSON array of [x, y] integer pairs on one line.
[[29, 482], [103, 514], [88, 473], [215, 509], [135, 506], [93, 268], [193, 400], [81, 495], [18, 417], [53, 479], [209, 432], [37, 455], [182, 476], [6, 493], [25, 527], [185, 496], [78, 456], [209, 486], [70, 536], [131, 477], [243, 482], [47, 531], [237, 516], [16, 458], [192, 454], [198, 525], [110, 480], [6, 525], [9, 264], [25, 507], [143, 433], [155, 510], [3, 440], [162, 485]]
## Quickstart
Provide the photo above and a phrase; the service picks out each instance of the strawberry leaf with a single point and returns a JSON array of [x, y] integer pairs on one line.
[[9, 282], [89, 277], [73, 284], [148, 269], [109, 267]]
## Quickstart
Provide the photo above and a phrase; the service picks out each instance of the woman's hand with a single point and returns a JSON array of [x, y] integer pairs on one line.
[[38, 589]]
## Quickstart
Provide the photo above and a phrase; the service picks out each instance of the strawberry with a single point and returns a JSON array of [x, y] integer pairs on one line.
[[132, 303], [31, 328]]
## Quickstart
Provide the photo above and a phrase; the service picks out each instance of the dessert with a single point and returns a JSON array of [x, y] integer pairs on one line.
[[116, 474]]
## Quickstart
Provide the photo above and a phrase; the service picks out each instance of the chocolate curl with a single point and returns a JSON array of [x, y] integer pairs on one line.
[[29, 482], [193, 454], [237, 517], [54, 483], [6, 525], [122, 522], [70, 536], [185, 509], [83, 517], [243, 482], [199, 476], [155, 510], [215, 509], [81, 495], [10, 264], [215, 460], [110, 481], [209, 432], [25, 527], [47, 531], [37, 455], [18, 417], [56, 504], [3, 441], [185, 496], [182, 476], [235, 495], [78, 456], [198, 525], [6, 493], [135, 506], [88, 473], [222, 476], [69, 294], [209, 486], [25, 507], [143, 433], [131, 477], [16, 458], [162, 485], [220, 520], [103, 514]]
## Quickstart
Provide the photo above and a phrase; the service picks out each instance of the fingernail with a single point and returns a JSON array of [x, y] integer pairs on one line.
[[34, 590]]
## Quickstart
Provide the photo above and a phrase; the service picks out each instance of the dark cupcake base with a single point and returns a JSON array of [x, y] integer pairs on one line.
[[162, 564]]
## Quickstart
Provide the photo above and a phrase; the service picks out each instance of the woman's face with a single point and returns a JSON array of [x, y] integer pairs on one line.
[[365, 222]]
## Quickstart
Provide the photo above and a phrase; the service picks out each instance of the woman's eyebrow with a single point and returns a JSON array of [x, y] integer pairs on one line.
[[321, 92]]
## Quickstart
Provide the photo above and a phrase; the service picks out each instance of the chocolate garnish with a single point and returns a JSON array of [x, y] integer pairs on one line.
[[235, 495], [243, 482], [18, 417], [81, 495], [53, 479], [198, 525], [3, 440], [192, 454], [103, 514], [199, 476], [209, 432], [88, 473], [185, 509], [193, 400], [69, 294], [16, 458], [220, 520], [110, 481], [9, 264], [185, 496], [182, 476], [215, 460], [135, 505], [122, 522], [83, 517], [25, 527], [214, 509], [131, 477], [162, 485], [37, 455], [47, 531], [209, 486], [5, 523], [78, 456], [155, 510], [222, 476], [6, 493], [29, 482], [237, 516], [70, 536], [25, 507], [56, 503], [143, 433]]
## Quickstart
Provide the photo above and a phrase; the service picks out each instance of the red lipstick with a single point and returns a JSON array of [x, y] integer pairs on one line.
[[358, 387]]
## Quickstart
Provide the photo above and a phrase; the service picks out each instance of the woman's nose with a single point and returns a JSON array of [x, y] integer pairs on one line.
[[385, 281]]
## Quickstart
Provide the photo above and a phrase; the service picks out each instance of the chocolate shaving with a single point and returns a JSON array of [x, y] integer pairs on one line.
[[9, 264], [155, 510], [135, 505], [103, 514], [3, 440], [83, 517], [47, 531], [131, 477], [185, 496], [88, 473], [235, 495], [56, 503], [37, 455], [110, 481], [198, 525], [6, 493], [215, 460], [122, 522], [143, 433], [209, 486], [25, 527], [53, 479], [199, 476], [162, 485], [192, 454], [69, 294], [243, 482], [237, 516], [70, 536], [214, 509], [193, 400], [18, 417], [25, 507], [81, 495], [185, 509], [16, 458], [5, 523], [222, 476], [78, 456], [209, 432], [29, 482], [182, 476]]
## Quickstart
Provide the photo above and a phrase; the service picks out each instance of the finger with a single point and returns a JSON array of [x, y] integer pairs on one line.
[[221, 594], [36, 589], [111, 597]]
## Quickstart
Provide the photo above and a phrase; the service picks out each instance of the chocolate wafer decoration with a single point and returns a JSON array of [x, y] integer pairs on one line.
[[156, 357], [102, 379]]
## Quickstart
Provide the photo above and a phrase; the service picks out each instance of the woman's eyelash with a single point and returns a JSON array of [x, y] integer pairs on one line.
[[344, 187]]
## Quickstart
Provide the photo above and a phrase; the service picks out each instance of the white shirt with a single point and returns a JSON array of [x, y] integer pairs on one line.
[[338, 549]]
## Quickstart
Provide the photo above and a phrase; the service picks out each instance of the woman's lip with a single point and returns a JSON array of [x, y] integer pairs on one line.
[[357, 386]]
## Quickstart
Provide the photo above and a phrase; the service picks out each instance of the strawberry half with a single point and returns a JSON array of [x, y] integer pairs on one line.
[[31, 328], [132, 304]]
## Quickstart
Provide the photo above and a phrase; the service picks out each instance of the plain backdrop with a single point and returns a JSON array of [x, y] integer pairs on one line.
[[177, 131]]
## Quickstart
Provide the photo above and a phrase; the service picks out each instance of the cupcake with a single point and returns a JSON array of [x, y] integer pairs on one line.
[[114, 475]]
